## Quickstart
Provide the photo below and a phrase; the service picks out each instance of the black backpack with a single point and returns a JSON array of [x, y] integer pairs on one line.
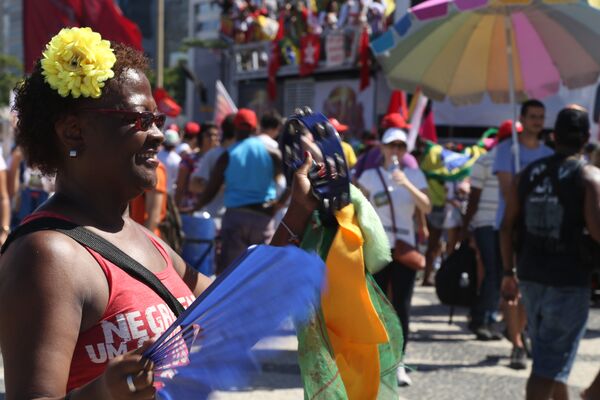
[[456, 280]]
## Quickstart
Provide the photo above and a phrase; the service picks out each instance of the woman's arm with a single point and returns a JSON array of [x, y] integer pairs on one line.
[[302, 205], [13, 172], [193, 279], [4, 208], [47, 285], [420, 197], [180, 189]]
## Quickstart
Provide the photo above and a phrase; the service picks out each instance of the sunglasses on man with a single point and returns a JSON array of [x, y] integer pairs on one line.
[[143, 120]]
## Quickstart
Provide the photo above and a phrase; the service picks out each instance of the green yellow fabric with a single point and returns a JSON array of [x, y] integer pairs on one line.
[[376, 249], [433, 165], [353, 326], [351, 348]]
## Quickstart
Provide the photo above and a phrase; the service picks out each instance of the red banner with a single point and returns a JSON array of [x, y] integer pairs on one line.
[[275, 61], [364, 53], [310, 52], [43, 19]]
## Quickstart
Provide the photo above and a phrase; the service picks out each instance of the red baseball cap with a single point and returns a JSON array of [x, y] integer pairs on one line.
[[245, 119], [505, 129], [394, 120], [192, 128], [338, 126], [173, 127]]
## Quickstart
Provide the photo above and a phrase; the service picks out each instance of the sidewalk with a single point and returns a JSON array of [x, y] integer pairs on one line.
[[448, 363]]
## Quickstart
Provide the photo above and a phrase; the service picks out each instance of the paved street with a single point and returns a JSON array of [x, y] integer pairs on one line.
[[448, 363]]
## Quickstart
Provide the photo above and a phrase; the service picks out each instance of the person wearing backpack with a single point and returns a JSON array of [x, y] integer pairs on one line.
[[550, 206]]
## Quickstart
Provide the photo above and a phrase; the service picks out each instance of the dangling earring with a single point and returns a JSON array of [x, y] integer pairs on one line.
[[73, 153]]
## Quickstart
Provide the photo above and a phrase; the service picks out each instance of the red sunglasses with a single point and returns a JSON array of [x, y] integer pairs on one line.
[[143, 119]]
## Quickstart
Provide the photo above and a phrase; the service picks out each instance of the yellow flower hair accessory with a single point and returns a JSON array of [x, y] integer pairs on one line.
[[77, 62]]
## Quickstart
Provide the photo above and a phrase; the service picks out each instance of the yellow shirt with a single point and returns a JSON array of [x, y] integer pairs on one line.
[[349, 154]]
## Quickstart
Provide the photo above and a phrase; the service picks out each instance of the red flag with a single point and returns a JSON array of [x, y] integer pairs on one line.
[[365, 59], [275, 61], [397, 104], [43, 19], [428, 131], [224, 105], [310, 51], [106, 18], [165, 103]]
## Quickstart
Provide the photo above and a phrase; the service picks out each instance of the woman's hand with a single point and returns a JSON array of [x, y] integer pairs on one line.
[[129, 376], [400, 177], [302, 197]]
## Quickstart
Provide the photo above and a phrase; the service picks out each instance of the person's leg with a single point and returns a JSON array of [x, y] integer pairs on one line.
[[260, 228], [232, 238], [557, 317], [489, 293], [403, 283], [560, 391], [383, 279], [453, 238], [539, 388], [432, 252], [593, 391]]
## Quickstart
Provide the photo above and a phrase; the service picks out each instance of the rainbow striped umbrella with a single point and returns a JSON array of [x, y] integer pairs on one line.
[[459, 49], [510, 49]]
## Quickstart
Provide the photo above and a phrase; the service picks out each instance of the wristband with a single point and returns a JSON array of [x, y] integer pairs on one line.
[[294, 239], [508, 272]]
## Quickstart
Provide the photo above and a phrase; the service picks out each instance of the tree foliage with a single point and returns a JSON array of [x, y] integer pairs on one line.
[[10, 74]]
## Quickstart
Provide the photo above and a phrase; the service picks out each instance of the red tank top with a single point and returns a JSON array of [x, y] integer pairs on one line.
[[134, 314]]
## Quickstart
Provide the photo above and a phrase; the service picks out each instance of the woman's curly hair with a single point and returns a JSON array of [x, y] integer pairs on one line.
[[39, 107]]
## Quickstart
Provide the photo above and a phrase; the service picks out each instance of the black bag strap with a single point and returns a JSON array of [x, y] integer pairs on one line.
[[389, 196], [100, 245]]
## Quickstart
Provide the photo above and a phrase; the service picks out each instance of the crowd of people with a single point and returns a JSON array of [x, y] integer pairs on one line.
[[534, 221], [248, 21], [239, 183]]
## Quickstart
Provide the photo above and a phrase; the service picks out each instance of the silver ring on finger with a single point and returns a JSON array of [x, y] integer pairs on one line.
[[130, 384]]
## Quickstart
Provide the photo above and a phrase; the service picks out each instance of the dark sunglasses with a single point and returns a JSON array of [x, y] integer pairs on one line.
[[143, 119]]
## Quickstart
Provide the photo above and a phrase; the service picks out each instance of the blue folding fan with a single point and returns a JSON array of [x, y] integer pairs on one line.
[[208, 347]]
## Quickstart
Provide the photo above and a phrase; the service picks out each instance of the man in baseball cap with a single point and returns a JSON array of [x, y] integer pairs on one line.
[[247, 170]]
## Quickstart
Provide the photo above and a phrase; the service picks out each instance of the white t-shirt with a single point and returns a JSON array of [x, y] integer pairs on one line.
[[268, 141], [183, 147], [207, 163], [171, 161], [404, 204], [483, 178]]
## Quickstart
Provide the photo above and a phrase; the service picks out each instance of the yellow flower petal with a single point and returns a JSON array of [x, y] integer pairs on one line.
[[77, 61]]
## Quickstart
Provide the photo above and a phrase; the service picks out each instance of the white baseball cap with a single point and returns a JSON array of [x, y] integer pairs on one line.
[[171, 137], [394, 135]]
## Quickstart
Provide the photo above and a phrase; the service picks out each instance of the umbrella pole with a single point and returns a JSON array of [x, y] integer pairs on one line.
[[511, 89]]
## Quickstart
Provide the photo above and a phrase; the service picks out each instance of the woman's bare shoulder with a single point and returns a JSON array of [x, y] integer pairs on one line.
[[44, 259]]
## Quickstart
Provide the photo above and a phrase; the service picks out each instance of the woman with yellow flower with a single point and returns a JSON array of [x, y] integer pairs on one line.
[[75, 324]]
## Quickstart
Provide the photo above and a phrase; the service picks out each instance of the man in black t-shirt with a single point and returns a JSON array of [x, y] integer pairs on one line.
[[551, 206]]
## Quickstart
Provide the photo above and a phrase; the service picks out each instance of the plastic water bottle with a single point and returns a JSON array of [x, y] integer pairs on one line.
[[395, 163], [464, 280]]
